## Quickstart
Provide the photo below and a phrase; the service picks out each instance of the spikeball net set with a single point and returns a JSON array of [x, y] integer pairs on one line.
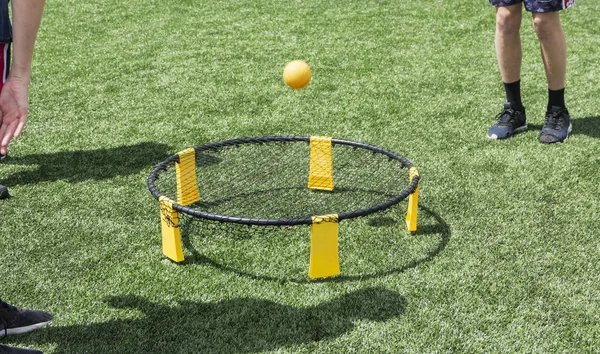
[[277, 182]]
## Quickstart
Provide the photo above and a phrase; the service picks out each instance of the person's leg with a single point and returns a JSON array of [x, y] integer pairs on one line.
[[509, 54], [508, 42], [553, 47]]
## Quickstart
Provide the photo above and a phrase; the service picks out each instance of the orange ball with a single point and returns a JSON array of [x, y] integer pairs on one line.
[[297, 74]]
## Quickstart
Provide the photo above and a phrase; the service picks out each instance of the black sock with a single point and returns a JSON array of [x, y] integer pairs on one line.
[[556, 98], [513, 93]]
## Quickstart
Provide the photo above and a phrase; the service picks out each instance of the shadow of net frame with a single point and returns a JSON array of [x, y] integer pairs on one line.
[[436, 229], [243, 188]]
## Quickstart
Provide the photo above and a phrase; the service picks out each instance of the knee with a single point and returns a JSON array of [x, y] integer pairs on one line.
[[508, 22], [544, 26]]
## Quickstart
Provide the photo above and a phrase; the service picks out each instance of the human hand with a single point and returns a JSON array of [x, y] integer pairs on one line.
[[13, 110]]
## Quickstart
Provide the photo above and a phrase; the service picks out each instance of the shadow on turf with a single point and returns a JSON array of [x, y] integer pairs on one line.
[[440, 227], [589, 126], [241, 325], [83, 165]]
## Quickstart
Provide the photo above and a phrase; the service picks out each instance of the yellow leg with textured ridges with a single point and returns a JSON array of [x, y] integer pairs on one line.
[[413, 203], [171, 237], [185, 171], [324, 258], [321, 163]]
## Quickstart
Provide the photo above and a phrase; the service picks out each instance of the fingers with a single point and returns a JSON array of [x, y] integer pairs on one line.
[[20, 127], [2, 148], [7, 132]]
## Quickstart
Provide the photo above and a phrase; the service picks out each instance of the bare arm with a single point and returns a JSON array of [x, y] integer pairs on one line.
[[27, 15]]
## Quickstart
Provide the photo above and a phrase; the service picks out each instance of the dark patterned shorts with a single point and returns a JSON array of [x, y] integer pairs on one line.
[[537, 5]]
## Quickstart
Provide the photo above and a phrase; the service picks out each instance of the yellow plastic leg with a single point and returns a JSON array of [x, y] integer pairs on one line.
[[321, 163], [324, 258], [185, 170], [171, 238], [413, 203]]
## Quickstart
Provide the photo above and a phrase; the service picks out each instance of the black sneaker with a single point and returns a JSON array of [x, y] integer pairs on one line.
[[14, 320], [5, 349], [510, 121], [4, 192], [557, 126]]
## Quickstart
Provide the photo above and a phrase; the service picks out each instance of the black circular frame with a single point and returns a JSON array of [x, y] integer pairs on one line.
[[286, 221]]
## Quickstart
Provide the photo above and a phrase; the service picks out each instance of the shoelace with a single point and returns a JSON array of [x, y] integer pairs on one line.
[[9, 307], [554, 120], [4, 326], [505, 117]]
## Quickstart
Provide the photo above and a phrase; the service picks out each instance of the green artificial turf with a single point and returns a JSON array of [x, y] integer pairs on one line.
[[506, 256]]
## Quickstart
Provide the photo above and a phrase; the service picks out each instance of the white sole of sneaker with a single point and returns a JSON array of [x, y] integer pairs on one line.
[[568, 132], [518, 130], [21, 330]]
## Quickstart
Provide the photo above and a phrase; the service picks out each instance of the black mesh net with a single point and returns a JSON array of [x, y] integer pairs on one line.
[[259, 181]]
